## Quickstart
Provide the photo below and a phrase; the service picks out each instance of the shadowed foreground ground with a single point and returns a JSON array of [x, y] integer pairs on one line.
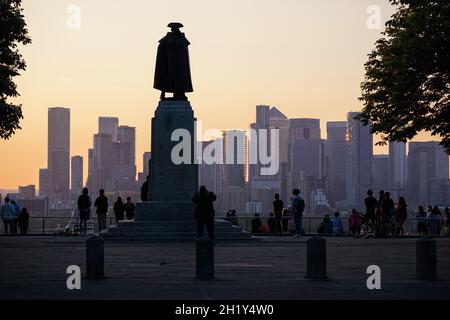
[[35, 268]]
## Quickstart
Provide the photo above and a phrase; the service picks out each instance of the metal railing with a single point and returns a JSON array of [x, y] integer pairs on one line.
[[311, 224], [51, 225]]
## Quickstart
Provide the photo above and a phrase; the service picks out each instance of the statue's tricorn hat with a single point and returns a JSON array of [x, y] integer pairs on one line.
[[175, 25]]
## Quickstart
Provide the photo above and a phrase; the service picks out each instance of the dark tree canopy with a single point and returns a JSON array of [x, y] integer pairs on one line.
[[13, 31], [407, 82]]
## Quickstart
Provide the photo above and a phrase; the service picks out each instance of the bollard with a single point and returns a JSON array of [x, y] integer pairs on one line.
[[316, 260], [205, 259], [95, 258], [426, 262]]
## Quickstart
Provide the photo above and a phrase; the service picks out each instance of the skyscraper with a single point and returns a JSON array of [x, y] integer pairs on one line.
[[381, 170], [234, 169], [359, 160], [76, 181], [304, 129], [56, 178], [109, 125], [336, 157], [397, 167], [112, 160], [263, 187], [427, 165], [306, 166], [127, 134]]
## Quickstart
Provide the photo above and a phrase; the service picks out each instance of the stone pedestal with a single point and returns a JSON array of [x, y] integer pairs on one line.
[[170, 181], [171, 185], [316, 258], [426, 262]]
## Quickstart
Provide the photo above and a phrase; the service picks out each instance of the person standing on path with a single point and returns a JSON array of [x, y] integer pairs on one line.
[[278, 211], [101, 203], [297, 207]]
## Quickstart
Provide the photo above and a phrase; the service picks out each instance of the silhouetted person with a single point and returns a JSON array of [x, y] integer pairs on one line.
[[401, 214], [119, 210], [371, 206], [204, 211], [101, 203], [434, 221], [421, 217], [7, 215], [326, 226], [84, 204], [354, 223], [338, 227], [256, 224], [23, 221], [272, 223], [16, 215], [278, 210], [232, 217], [297, 208], [144, 190], [129, 209]]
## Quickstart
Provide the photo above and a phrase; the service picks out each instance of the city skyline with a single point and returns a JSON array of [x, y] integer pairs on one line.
[[284, 57]]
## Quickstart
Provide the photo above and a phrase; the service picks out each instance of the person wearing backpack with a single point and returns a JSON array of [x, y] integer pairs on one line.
[[297, 207]]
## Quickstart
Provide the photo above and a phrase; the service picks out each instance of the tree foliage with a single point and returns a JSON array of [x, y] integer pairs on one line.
[[13, 31], [407, 82]]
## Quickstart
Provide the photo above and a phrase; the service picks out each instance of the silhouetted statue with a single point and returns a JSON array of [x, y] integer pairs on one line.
[[172, 72]]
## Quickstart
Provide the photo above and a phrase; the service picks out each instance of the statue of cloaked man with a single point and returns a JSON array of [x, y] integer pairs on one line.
[[172, 72]]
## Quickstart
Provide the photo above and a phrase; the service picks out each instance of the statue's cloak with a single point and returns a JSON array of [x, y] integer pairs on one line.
[[173, 72]]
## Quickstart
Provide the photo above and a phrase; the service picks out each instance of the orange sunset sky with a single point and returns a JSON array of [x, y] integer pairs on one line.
[[305, 57]]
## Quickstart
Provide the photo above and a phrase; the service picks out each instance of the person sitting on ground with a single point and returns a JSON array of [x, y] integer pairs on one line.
[[326, 226], [434, 221], [23, 221], [256, 224], [272, 223], [129, 209], [421, 217], [204, 211], [119, 210], [232, 217], [354, 223], [338, 227]]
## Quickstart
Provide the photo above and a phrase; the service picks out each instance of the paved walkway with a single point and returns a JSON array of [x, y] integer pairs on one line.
[[35, 268]]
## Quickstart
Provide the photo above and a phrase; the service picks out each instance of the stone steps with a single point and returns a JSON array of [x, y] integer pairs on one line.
[[181, 230]]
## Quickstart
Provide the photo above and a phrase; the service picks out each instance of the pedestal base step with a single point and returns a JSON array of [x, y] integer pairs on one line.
[[182, 230]]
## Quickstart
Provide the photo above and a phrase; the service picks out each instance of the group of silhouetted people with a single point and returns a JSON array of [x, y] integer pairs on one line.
[[84, 203], [15, 219]]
